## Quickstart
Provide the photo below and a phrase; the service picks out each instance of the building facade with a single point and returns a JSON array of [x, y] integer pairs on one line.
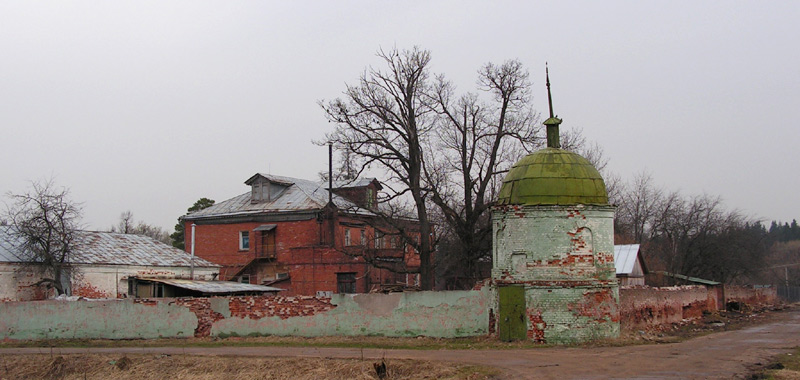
[[296, 235], [102, 266]]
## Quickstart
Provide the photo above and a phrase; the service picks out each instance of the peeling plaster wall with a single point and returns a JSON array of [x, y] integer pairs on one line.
[[436, 314], [111, 281], [112, 319], [90, 281], [564, 257], [17, 283]]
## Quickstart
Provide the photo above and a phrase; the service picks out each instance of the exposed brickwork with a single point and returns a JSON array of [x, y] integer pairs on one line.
[[753, 297], [599, 305], [537, 326], [89, 291], [206, 317], [282, 307]]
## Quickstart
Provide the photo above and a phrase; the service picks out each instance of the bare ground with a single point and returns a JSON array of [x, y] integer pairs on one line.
[[720, 355]]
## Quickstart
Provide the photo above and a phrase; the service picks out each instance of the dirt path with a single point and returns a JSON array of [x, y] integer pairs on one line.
[[725, 355]]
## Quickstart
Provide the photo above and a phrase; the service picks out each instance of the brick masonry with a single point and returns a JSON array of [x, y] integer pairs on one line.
[[437, 314], [563, 256], [644, 308], [302, 252]]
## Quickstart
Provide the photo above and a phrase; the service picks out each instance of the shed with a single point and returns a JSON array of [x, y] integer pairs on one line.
[[629, 264], [160, 287]]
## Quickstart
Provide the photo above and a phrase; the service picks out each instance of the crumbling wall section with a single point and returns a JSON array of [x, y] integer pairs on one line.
[[643, 307], [751, 296], [437, 314]]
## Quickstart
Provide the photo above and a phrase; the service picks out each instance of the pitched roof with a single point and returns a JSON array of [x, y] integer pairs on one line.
[[625, 257], [299, 195], [108, 248]]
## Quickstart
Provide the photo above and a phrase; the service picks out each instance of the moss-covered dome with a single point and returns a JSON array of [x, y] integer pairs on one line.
[[553, 176]]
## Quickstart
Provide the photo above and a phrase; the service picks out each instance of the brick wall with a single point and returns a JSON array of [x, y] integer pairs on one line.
[[753, 297], [312, 267], [436, 314], [645, 307]]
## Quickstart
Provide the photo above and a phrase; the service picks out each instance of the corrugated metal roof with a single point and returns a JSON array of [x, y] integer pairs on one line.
[[301, 195], [214, 287], [108, 248], [625, 258]]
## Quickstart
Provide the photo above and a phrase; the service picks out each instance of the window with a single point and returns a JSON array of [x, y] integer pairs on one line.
[[244, 279], [378, 239], [244, 240], [363, 237], [370, 197], [280, 276], [346, 282], [346, 236]]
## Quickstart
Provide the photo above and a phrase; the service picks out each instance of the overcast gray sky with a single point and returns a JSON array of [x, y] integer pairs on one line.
[[149, 105]]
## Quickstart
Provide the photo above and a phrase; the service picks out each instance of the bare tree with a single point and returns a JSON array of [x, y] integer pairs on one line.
[[126, 225], [476, 143], [43, 223], [384, 121], [638, 206]]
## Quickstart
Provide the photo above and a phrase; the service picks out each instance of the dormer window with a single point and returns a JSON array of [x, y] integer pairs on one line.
[[265, 187], [259, 191]]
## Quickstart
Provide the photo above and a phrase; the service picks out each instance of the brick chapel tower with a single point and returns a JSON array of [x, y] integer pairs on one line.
[[553, 247]]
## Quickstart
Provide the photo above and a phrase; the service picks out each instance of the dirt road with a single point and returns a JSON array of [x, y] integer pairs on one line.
[[725, 355]]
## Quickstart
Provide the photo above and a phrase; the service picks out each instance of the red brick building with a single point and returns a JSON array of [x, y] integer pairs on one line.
[[294, 234]]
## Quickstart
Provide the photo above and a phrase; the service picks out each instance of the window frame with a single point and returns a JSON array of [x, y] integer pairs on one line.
[[244, 239], [346, 282]]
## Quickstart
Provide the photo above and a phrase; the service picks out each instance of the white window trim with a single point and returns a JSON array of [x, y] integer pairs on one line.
[[241, 241]]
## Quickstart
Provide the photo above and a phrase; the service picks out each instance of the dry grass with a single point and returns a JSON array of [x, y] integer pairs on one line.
[[179, 367], [785, 367]]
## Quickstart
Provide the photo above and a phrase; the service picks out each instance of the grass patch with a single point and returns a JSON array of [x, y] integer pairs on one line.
[[784, 367]]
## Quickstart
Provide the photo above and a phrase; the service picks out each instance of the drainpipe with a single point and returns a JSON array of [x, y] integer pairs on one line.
[[191, 270]]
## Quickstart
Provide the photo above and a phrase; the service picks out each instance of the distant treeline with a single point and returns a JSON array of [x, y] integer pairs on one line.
[[783, 232]]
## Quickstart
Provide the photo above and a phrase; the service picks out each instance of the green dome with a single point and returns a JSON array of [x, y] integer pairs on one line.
[[553, 176]]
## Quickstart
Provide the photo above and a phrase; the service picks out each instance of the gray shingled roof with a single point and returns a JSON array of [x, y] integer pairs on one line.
[[301, 195], [108, 248]]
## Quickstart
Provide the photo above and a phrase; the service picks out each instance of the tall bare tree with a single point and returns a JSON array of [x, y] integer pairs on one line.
[[43, 223], [476, 143], [383, 121]]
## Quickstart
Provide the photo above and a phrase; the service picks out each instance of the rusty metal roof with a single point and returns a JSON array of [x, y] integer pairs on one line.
[[214, 287], [108, 248], [299, 195]]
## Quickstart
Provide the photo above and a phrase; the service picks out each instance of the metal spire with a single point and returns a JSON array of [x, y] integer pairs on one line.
[[549, 97], [553, 139]]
